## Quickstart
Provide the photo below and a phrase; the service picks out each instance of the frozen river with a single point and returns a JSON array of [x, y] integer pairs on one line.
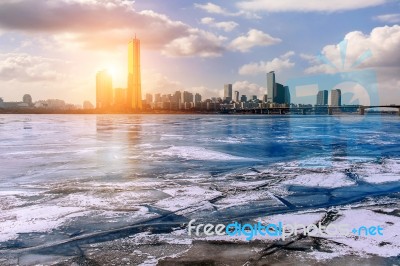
[[72, 184]]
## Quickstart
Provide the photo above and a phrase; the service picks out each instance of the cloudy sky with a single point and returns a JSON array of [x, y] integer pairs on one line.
[[53, 48]]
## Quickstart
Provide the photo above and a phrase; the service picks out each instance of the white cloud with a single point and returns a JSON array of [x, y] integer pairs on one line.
[[223, 25], [276, 64], [26, 68], [383, 44], [307, 5], [155, 82], [99, 24], [390, 18], [253, 38], [199, 43], [216, 9], [212, 8], [249, 89]]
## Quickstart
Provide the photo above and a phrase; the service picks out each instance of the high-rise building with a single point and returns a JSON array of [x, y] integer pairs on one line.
[[279, 95], [119, 98], [87, 105], [149, 98], [322, 97], [228, 92], [104, 93], [157, 97], [236, 96], [282, 94], [287, 95], [177, 98], [187, 97], [243, 98], [197, 98], [336, 97], [271, 86], [134, 94]]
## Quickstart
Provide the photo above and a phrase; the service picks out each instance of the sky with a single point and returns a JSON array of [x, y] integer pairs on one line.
[[53, 48]]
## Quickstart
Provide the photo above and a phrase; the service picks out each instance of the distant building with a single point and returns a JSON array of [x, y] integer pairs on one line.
[[187, 97], [27, 99], [87, 105], [336, 97], [271, 86], [149, 98], [104, 93], [228, 92], [322, 97], [55, 104], [243, 99], [197, 98], [120, 98], [254, 98], [157, 98], [177, 98], [287, 95], [236, 96], [265, 98], [279, 95]]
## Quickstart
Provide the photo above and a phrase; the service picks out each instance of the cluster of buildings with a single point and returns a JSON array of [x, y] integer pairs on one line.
[[50, 104], [336, 98], [277, 95], [130, 99]]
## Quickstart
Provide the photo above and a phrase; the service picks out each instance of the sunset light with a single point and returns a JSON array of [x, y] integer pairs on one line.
[[207, 132]]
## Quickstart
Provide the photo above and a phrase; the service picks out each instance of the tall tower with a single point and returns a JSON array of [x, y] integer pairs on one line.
[[228, 92], [236, 96], [322, 97], [104, 93], [271, 87], [336, 97], [134, 93]]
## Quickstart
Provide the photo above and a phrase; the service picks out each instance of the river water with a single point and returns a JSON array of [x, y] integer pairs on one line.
[[95, 178]]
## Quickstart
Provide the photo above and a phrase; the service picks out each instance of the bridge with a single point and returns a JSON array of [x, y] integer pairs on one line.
[[362, 108], [330, 110]]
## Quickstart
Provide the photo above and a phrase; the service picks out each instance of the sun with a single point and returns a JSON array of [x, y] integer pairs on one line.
[[112, 70]]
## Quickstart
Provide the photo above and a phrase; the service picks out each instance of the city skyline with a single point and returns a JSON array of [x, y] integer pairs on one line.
[[190, 46]]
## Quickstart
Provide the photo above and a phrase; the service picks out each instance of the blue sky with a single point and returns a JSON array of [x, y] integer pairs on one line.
[[55, 51]]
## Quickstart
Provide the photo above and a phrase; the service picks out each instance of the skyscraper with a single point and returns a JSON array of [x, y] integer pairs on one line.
[[187, 97], [271, 87], [119, 98], [336, 97], [197, 98], [322, 97], [134, 94], [228, 92], [149, 98], [287, 95], [177, 98], [104, 92], [236, 96]]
